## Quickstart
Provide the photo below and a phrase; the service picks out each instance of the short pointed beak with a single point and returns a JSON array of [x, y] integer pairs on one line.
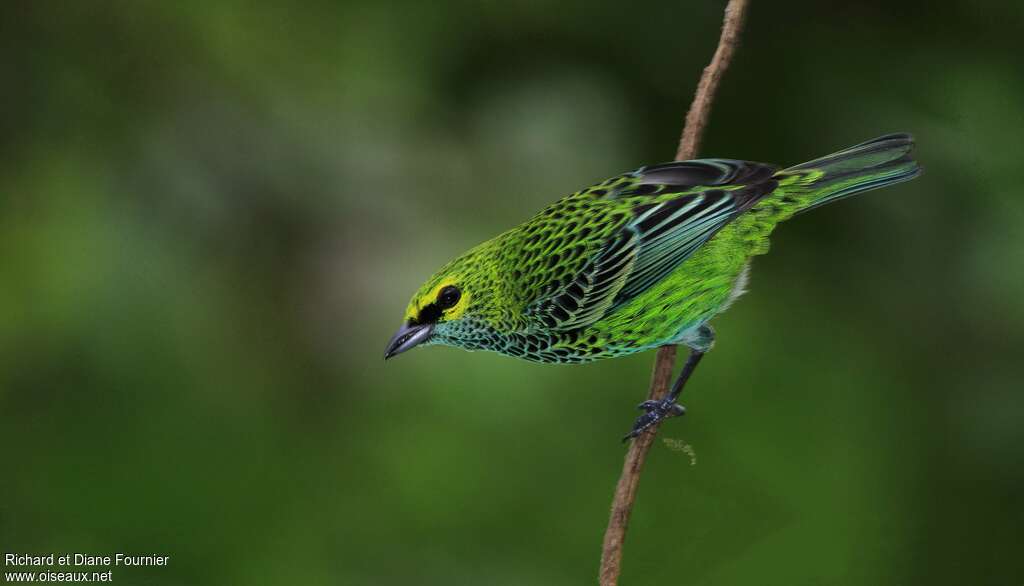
[[408, 336]]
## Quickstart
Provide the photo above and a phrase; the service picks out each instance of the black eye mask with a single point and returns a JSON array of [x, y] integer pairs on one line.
[[429, 314]]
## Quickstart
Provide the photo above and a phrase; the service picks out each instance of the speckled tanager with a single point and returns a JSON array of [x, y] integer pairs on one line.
[[635, 262]]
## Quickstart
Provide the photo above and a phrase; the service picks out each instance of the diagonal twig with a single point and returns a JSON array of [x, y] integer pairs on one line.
[[693, 130]]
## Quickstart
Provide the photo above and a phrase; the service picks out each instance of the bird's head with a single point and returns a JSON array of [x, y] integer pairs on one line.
[[450, 308]]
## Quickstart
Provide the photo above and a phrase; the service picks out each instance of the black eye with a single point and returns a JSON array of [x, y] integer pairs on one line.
[[448, 297]]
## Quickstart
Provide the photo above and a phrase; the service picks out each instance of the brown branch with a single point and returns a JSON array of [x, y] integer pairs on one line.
[[700, 109], [693, 130]]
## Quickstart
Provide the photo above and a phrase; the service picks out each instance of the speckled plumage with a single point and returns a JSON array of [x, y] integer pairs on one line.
[[637, 261]]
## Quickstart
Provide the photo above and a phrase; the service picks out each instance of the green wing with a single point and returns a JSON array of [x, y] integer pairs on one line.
[[672, 210]]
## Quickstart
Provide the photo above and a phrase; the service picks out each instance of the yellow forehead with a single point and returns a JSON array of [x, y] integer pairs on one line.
[[430, 295]]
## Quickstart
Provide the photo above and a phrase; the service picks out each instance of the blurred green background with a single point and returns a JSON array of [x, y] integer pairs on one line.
[[212, 215]]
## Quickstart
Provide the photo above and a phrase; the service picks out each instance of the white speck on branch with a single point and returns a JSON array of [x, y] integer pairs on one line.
[[689, 141]]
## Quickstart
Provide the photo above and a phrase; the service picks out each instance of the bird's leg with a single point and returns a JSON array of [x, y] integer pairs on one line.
[[655, 411]]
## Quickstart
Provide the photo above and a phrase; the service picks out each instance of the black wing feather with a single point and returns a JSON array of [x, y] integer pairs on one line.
[[663, 232]]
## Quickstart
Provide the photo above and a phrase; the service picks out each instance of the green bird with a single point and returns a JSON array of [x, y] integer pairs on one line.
[[638, 261]]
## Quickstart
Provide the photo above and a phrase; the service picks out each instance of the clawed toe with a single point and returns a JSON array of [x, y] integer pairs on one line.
[[654, 411]]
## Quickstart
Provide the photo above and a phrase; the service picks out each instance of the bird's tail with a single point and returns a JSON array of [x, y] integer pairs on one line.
[[876, 163]]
